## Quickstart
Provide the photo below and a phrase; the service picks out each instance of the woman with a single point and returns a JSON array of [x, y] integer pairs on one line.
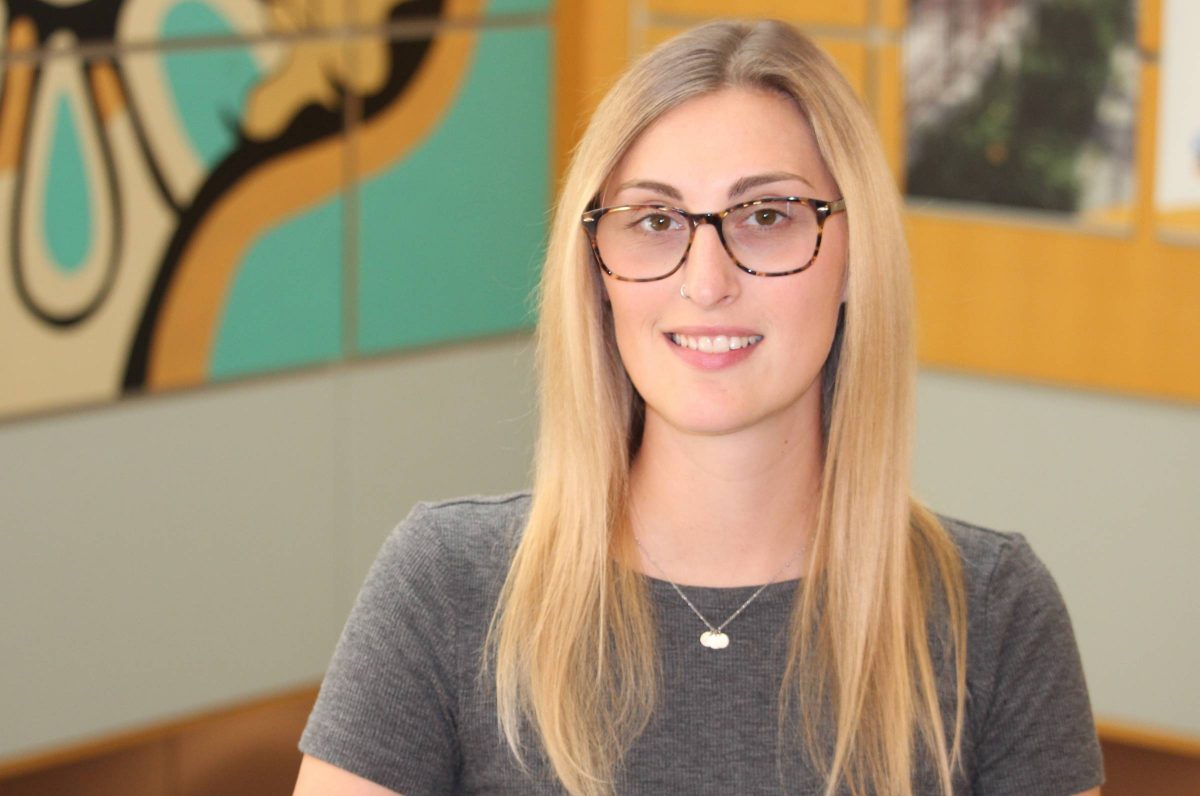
[[720, 583]]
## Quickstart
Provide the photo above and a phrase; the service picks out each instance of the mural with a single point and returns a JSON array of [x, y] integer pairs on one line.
[[1177, 181], [1023, 103], [203, 195]]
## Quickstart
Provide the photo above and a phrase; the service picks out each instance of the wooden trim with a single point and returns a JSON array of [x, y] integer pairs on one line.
[[1149, 738], [58, 757]]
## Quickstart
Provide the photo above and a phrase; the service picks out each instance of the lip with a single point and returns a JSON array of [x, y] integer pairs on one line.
[[713, 331], [711, 361]]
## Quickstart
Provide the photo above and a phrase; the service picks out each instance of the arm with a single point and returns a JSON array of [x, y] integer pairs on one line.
[[318, 778], [1092, 792]]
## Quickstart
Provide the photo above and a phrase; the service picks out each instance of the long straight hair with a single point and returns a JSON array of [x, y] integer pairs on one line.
[[571, 647]]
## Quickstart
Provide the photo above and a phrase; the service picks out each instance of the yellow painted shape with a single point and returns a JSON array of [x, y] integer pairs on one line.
[[184, 335], [106, 88], [836, 12], [282, 187], [390, 135], [14, 100]]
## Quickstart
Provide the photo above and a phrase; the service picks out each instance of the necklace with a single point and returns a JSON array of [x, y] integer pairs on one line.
[[715, 638]]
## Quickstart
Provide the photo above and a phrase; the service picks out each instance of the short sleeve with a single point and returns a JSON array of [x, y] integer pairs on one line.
[[386, 709], [1037, 736]]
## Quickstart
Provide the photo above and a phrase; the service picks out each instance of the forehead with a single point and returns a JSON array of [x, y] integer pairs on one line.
[[709, 142]]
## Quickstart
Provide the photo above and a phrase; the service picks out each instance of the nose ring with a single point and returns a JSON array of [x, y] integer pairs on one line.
[[683, 292]]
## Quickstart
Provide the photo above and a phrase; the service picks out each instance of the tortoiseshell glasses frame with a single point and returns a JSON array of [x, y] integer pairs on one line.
[[822, 209]]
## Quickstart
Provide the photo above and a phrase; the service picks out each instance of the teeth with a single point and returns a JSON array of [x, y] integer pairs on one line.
[[714, 345]]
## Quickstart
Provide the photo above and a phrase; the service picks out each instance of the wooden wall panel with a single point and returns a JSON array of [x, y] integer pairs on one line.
[[246, 753], [248, 749], [842, 12], [141, 770], [1136, 771]]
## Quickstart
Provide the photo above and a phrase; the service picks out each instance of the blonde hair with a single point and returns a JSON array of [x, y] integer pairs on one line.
[[572, 643]]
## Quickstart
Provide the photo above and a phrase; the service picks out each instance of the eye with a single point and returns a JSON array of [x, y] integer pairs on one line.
[[654, 222], [767, 216]]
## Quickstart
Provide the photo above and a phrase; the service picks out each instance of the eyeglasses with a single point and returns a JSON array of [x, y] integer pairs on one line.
[[775, 236]]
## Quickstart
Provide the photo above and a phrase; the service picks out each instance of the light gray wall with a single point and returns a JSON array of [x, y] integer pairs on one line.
[[166, 555], [1107, 490], [170, 554]]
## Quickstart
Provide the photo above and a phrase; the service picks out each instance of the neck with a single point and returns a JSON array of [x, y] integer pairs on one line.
[[726, 510]]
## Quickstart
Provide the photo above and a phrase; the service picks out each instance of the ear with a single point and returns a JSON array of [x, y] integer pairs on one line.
[[603, 289]]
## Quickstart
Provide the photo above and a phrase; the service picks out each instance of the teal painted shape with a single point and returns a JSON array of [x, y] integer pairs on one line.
[[451, 239], [194, 18], [285, 305], [517, 6], [208, 86], [67, 209]]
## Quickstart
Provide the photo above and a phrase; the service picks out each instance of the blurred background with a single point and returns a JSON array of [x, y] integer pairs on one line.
[[265, 280]]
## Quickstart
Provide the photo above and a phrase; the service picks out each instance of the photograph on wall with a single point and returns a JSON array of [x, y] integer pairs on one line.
[[1177, 172], [1023, 105], [194, 201]]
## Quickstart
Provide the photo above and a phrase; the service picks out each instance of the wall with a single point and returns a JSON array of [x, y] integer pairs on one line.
[[170, 555], [1105, 488]]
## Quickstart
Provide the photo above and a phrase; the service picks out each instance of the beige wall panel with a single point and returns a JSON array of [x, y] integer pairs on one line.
[[1104, 487], [165, 555]]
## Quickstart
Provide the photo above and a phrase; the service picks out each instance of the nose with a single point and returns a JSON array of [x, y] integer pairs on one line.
[[709, 272]]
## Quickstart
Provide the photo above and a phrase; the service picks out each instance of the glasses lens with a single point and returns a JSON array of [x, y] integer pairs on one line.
[[773, 236], [642, 242]]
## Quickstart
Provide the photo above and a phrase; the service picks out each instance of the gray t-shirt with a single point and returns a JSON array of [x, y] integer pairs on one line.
[[402, 704]]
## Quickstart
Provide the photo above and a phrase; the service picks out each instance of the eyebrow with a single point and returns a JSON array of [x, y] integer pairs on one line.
[[738, 188], [746, 183], [651, 185]]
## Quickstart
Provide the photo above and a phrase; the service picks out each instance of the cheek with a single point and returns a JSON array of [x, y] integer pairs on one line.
[[634, 307], [625, 324]]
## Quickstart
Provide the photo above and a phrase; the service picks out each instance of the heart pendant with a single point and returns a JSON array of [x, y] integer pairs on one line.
[[714, 641]]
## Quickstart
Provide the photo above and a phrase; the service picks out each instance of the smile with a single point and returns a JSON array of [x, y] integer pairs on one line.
[[719, 344]]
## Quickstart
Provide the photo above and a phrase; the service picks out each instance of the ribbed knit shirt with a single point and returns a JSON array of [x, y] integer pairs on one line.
[[402, 703]]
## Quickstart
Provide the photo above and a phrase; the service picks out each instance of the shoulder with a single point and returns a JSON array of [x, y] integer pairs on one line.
[[980, 547], [392, 698], [453, 552], [1000, 569], [455, 545]]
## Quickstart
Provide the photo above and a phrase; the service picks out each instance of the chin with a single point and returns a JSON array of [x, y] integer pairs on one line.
[[709, 422]]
